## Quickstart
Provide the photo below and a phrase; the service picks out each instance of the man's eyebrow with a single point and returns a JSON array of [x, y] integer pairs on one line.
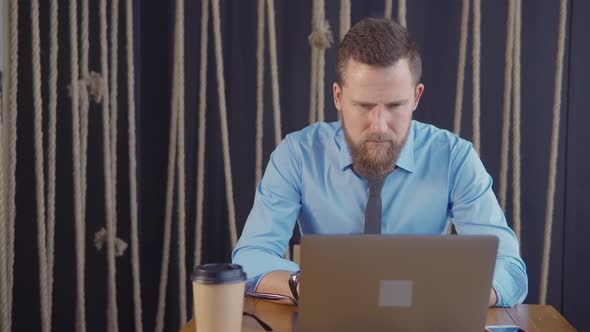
[[389, 104], [398, 102], [363, 103]]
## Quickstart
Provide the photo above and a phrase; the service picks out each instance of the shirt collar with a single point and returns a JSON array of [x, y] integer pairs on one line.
[[404, 161]]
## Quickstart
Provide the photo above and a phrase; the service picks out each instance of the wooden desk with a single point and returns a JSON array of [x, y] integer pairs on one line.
[[532, 318]]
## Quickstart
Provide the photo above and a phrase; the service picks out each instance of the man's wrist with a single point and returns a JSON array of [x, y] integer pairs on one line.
[[493, 298]]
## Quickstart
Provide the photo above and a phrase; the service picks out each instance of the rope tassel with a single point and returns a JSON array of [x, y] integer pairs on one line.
[[93, 84], [100, 239]]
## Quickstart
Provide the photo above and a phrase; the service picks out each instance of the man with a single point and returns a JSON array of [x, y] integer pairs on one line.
[[320, 176]]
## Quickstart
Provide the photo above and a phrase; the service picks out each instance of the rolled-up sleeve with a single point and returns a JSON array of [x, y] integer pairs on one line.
[[269, 226], [474, 209]]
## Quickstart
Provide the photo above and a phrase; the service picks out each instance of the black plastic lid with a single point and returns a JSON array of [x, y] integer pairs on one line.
[[218, 273]]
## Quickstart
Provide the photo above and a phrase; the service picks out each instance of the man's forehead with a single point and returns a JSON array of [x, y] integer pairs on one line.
[[353, 63], [399, 68]]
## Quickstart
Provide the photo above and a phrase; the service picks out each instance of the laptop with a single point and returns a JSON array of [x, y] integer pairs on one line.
[[395, 282]]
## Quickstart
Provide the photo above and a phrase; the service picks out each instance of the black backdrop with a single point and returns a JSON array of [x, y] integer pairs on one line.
[[435, 24]]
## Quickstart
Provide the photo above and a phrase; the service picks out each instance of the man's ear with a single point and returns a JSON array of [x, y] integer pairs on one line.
[[337, 92], [417, 94]]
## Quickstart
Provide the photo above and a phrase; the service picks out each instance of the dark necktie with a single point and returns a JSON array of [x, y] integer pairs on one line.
[[373, 208]]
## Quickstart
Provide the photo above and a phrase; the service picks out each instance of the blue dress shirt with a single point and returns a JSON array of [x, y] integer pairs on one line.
[[438, 179]]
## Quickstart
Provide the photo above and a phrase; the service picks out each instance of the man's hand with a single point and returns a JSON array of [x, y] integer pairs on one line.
[[493, 298], [276, 282]]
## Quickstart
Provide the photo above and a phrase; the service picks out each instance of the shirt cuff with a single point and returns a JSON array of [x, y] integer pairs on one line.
[[510, 283], [499, 298], [252, 283]]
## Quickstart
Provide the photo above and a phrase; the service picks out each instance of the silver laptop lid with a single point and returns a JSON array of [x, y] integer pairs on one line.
[[395, 282]]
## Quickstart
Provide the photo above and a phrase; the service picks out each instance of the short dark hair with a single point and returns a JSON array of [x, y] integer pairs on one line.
[[379, 42]]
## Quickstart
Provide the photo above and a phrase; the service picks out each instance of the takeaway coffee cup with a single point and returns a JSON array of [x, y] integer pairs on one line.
[[218, 297]]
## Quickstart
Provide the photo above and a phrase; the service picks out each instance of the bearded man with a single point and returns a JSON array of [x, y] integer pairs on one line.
[[321, 176]]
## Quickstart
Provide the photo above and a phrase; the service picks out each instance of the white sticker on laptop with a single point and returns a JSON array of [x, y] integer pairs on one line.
[[395, 293]]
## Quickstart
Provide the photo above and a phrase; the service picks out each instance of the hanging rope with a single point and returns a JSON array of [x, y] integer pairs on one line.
[[260, 81], [3, 225], [274, 76], [90, 82], [133, 167], [476, 53], [172, 159], [401, 13], [168, 213], [79, 223], [223, 115], [39, 169], [109, 208], [3, 219], [259, 90], [553, 154], [313, 86], [112, 232], [344, 17], [114, 106], [51, 154], [461, 66], [325, 42], [388, 8], [516, 123], [315, 40], [274, 71], [181, 170], [201, 132], [12, 158], [320, 38], [10, 151], [460, 76], [509, 55]]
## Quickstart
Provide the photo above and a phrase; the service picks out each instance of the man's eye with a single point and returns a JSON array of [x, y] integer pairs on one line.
[[394, 107]]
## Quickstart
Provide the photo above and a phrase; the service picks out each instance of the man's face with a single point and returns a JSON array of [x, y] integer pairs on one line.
[[376, 106]]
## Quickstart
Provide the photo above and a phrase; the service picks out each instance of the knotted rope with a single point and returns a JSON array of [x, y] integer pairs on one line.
[[113, 325], [319, 39]]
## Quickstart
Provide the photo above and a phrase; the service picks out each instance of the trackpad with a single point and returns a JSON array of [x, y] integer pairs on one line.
[[395, 293]]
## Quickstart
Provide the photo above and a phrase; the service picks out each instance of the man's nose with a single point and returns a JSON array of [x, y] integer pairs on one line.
[[378, 118]]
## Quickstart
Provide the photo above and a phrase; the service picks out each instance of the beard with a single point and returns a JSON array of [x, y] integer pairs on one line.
[[373, 160]]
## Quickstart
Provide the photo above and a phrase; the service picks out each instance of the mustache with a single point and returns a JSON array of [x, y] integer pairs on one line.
[[378, 137]]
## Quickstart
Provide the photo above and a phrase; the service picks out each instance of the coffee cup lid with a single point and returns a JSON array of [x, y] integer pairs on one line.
[[218, 273]]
